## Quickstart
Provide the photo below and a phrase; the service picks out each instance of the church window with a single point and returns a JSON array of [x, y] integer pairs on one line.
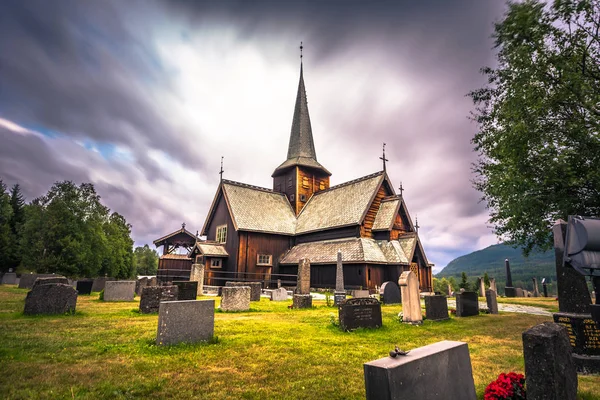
[[222, 234], [322, 185], [305, 182], [302, 197], [264, 259], [290, 182], [215, 263]]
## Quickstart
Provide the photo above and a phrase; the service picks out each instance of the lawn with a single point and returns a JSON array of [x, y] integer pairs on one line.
[[107, 350]]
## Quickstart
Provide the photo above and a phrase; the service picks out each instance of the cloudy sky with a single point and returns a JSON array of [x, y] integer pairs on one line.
[[142, 98]]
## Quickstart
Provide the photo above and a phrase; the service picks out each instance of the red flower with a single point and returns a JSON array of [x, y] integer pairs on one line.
[[507, 387]]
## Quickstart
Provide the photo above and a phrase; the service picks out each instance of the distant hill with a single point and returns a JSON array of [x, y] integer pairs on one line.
[[491, 260]]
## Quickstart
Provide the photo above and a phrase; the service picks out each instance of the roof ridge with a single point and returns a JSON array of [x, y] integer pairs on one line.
[[363, 178], [391, 198], [247, 185]]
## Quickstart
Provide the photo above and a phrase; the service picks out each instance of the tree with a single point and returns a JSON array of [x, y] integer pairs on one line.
[[118, 262], [145, 260], [486, 280], [539, 118], [17, 204], [464, 281], [6, 238]]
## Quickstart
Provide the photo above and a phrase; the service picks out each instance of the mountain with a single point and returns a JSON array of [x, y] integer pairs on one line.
[[491, 260]]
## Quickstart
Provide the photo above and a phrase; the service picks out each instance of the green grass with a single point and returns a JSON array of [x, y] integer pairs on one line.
[[107, 350]]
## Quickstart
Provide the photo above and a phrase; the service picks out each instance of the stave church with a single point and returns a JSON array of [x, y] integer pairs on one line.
[[260, 233]]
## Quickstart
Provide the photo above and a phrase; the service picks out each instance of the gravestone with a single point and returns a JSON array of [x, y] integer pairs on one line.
[[411, 302], [450, 291], [197, 275], [550, 372], [119, 291], [152, 296], [255, 288], [186, 321], [509, 290], [140, 284], [279, 294], [9, 278], [340, 291], [536, 290], [100, 283], [27, 280], [235, 298], [519, 292], [467, 304], [436, 307], [545, 287], [48, 281], [302, 301], [84, 286], [53, 298], [359, 313], [389, 293], [493, 285], [584, 337], [481, 287], [492, 301], [360, 293], [303, 286], [153, 281], [438, 371], [188, 290]]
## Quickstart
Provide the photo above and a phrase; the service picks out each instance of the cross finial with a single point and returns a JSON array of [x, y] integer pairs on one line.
[[197, 233], [183, 226], [382, 158], [401, 188], [417, 224], [221, 171], [301, 47]]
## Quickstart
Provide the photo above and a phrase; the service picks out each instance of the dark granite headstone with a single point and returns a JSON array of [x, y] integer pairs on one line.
[[302, 301], [54, 298], [584, 337], [186, 321], [140, 284], [510, 292], [389, 293], [492, 301], [436, 307], [84, 287], [188, 290], [100, 283], [467, 304], [255, 288], [549, 369], [49, 281], [361, 312], [152, 296], [9, 278], [27, 280]]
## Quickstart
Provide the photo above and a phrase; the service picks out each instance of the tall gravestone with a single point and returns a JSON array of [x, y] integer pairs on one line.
[[389, 293], [493, 285], [197, 275], [450, 291], [481, 287], [509, 290], [536, 290], [492, 301], [436, 307], [340, 292], [411, 303], [467, 304], [302, 298], [550, 372]]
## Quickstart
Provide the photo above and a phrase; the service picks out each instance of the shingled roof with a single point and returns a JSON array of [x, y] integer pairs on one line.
[[354, 250], [386, 215], [340, 205], [212, 249], [258, 209]]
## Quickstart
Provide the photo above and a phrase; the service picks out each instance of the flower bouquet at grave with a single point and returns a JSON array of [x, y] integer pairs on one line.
[[509, 386]]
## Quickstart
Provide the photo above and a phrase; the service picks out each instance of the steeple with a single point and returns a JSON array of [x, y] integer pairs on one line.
[[301, 148]]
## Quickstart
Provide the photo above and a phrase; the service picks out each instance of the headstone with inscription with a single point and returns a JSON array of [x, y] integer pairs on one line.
[[467, 304], [279, 294], [492, 301], [303, 286], [389, 293], [187, 290], [359, 313], [436, 307], [84, 286], [411, 302], [235, 298], [584, 336], [340, 292]]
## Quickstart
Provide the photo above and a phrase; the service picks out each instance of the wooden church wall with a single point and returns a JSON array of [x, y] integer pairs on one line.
[[252, 243], [221, 217], [367, 225], [330, 234]]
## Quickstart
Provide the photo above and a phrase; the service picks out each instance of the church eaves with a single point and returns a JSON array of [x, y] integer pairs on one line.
[[301, 149]]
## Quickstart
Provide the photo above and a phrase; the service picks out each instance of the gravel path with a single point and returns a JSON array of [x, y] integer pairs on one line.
[[516, 308]]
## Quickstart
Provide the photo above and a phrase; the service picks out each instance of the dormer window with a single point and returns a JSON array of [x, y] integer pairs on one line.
[[222, 234]]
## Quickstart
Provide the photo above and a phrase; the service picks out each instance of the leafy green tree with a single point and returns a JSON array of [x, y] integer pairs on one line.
[[119, 260], [17, 204], [539, 120], [452, 282], [6, 237], [486, 280], [464, 281], [146, 260]]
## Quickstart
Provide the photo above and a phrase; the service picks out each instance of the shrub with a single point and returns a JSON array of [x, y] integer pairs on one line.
[[101, 297], [507, 387]]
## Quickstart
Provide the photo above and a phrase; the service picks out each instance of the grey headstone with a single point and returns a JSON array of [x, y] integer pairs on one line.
[[492, 301], [436, 307], [255, 288], [100, 282], [467, 304], [519, 292], [188, 290], [84, 286], [550, 373], [235, 298], [438, 371], [279, 294], [48, 281], [510, 291], [536, 290], [302, 301], [197, 275], [303, 286], [140, 284], [389, 293], [360, 293], [9, 278], [27, 280], [119, 291], [152, 296], [54, 298], [187, 321]]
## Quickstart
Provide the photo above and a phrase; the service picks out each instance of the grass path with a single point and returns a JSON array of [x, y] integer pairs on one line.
[[107, 350]]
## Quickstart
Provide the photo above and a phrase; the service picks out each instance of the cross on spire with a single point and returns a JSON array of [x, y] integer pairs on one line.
[[382, 158], [417, 224], [301, 47], [401, 188], [183, 226], [221, 171]]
